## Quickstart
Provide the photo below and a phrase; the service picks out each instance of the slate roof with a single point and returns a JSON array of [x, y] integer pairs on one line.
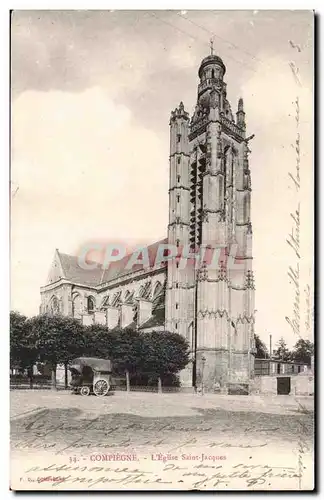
[[118, 268], [94, 277], [75, 273], [158, 313], [158, 319]]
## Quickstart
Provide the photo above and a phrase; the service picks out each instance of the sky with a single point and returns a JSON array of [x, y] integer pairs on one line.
[[92, 93]]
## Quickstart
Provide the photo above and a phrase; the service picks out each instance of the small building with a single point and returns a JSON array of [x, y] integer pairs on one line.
[[274, 366], [275, 376]]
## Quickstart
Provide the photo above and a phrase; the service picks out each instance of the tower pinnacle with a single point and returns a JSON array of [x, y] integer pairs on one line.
[[211, 47]]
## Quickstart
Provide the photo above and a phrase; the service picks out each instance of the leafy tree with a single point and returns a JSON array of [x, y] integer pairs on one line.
[[98, 341], [127, 352], [122, 347], [23, 351], [17, 335], [303, 351], [261, 349], [163, 353], [58, 339], [282, 352]]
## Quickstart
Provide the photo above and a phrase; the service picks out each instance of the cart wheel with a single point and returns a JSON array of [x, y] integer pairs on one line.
[[85, 390], [101, 388]]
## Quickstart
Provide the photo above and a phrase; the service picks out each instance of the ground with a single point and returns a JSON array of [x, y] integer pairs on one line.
[[169, 441]]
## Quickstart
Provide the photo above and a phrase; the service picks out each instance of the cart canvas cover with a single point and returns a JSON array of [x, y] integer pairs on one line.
[[97, 364]]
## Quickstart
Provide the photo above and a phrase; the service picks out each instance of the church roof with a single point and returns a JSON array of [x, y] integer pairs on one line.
[[72, 271], [118, 268], [67, 266]]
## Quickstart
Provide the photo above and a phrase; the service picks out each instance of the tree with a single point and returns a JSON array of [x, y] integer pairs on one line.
[[23, 351], [127, 352], [261, 349], [303, 351], [163, 353], [122, 347], [98, 341], [282, 352], [58, 339], [17, 334]]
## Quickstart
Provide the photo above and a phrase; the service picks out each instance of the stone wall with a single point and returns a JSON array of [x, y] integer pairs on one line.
[[300, 385]]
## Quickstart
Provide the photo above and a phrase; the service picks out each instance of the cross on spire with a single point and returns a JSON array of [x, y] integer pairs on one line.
[[211, 47]]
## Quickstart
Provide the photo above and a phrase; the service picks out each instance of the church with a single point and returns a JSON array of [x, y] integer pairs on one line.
[[209, 209]]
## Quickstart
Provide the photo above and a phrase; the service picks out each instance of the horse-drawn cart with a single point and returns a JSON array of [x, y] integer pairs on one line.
[[91, 376]]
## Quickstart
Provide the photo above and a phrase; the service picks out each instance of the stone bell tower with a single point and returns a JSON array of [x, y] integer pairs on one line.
[[210, 199], [180, 279]]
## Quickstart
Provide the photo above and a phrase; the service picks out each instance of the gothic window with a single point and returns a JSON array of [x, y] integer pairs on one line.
[[177, 305], [213, 73], [54, 306], [77, 306], [177, 285], [157, 289], [177, 264], [178, 243], [178, 178], [90, 305], [246, 208], [178, 137], [178, 198], [179, 160], [176, 326]]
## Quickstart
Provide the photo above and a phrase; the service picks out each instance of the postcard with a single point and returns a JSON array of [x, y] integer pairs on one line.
[[162, 214]]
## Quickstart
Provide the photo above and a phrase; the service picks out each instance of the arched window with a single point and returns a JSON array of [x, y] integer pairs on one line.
[[213, 73], [54, 306], [246, 208], [77, 306], [157, 289], [90, 305]]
